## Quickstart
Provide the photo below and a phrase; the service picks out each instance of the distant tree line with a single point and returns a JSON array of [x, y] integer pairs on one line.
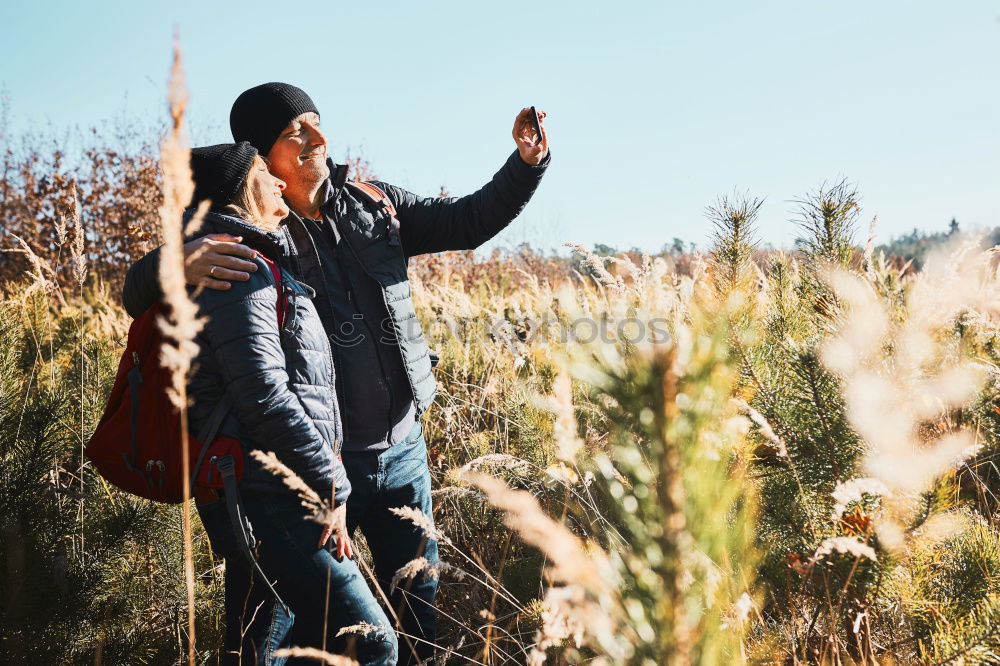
[[915, 245]]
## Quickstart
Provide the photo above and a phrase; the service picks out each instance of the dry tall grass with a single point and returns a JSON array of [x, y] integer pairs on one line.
[[743, 456], [180, 322]]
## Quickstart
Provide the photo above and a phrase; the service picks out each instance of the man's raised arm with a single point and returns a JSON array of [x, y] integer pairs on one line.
[[428, 224]]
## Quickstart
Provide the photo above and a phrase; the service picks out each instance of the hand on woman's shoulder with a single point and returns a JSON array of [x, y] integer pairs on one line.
[[260, 281]]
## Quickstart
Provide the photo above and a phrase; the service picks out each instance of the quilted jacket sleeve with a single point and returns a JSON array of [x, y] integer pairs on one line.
[[242, 332], [142, 284], [429, 224]]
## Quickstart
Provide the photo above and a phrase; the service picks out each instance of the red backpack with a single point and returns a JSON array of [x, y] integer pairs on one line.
[[137, 443]]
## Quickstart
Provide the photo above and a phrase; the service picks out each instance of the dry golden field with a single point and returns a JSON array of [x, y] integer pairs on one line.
[[728, 457]]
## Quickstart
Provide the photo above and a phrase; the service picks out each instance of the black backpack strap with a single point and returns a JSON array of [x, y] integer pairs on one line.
[[134, 379], [227, 468], [238, 520]]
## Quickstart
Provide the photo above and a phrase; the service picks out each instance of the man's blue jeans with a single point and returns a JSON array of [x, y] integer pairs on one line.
[[381, 480], [321, 593]]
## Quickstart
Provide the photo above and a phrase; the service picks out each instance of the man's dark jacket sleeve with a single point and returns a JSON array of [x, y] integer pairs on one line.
[[428, 224], [142, 284]]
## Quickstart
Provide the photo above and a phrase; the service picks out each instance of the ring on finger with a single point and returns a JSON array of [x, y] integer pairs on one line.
[[211, 271]]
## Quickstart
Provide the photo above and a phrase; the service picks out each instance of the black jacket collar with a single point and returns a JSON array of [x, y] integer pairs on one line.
[[335, 183]]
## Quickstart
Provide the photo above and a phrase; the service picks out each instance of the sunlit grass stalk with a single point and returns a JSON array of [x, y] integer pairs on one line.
[[181, 323], [79, 262], [426, 525], [675, 637]]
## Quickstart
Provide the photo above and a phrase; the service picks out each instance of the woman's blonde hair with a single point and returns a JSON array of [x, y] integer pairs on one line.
[[245, 205]]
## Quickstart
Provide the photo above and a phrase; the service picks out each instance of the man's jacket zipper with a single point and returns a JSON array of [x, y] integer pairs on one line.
[[375, 340]]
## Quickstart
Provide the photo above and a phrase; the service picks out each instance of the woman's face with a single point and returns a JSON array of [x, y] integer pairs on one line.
[[266, 191]]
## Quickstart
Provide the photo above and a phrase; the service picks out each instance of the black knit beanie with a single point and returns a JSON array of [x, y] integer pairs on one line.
[[261, 113], [219, 171]]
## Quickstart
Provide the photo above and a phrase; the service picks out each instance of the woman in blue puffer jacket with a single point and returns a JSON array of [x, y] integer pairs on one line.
[[276, 389]]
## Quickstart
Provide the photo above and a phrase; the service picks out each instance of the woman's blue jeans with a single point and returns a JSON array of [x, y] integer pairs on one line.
[[322, 594]]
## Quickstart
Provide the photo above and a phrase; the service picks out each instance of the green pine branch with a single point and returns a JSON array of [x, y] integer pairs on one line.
[[973, 639]]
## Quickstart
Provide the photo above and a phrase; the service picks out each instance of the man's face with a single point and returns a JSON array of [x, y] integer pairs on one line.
[[298, 157]]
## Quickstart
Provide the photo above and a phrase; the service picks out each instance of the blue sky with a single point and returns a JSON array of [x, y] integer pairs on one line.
[[655, 108]]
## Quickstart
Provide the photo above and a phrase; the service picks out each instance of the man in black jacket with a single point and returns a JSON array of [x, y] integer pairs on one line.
[[352, 244]]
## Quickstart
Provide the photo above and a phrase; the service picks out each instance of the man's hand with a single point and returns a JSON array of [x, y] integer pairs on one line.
[[210, 261], [532, 150], [338, 530]]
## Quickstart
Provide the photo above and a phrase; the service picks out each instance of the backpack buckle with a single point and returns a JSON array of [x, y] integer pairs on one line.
[[226, 466], [211, 468]]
